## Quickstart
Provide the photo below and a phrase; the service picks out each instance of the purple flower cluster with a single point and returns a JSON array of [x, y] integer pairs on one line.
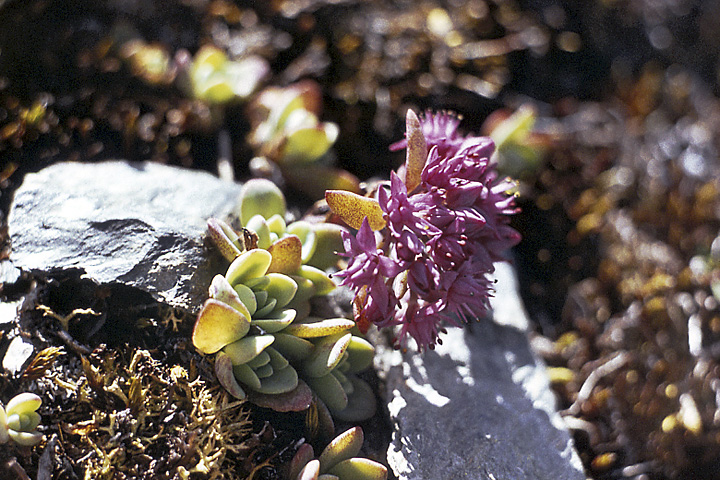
[[430, 264]]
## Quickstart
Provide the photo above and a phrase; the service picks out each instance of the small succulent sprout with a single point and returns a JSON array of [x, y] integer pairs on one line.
[[151, 62], [520, 149], [216, 79], [337, 461], [20, 419], [286, 130], [285, 122]]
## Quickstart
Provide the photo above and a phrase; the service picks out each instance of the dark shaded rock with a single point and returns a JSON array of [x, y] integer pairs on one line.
[[479, 405], [137, 224]]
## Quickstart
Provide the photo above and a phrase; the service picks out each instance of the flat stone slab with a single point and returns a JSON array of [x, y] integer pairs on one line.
[[138, 224], [479, 406]]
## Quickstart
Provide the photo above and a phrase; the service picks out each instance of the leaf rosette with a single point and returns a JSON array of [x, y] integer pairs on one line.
[[258, 319]]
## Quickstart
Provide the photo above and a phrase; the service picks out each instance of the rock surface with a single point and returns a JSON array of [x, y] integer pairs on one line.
[[479, 406], [138, 224]]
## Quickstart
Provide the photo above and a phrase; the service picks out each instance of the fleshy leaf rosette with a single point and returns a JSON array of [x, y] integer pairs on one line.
[[427, 242], [216, 79], [286, 129], [19, 420], [258, 322], [338, 461]]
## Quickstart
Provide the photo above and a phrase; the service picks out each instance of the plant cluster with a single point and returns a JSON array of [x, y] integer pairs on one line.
[[258, 320], [337, 461], [19, 420]]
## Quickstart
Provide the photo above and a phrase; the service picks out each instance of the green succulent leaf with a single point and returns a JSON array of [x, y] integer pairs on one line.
[[281, 381], [309, 144], [282, 288], [320, 328], [330, 391], [276, 321], [257, 285], [224, 238], [251, 264], [23, 403], [359, 469], [360, 354], [261, 197], [27, 439], [268, 308], [226, 376], [306, 289], [217, 325], [247, 376], [327, 354], [343, 447], [328, 241], [361, 403], [221, 290], [277, 361], [247, 297], [262, 359], [277, 225], [24, 422], [291, 347], [264, 372], [246, 349], [296, 400], [259, 225], [321, 281], [305, 231]]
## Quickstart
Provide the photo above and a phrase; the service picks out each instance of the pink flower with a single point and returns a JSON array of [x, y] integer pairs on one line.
[[440, 241]]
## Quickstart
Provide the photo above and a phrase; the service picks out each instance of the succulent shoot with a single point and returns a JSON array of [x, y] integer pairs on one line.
[[259, 323], [216, 79], [20, 419], [337, 461], [286, 130], [426, 243]]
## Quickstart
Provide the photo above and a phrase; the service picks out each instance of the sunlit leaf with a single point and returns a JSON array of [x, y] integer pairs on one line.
[[218, 325], [359, 469], [417, 151], [343, 447], [286, 255], [261, 197], [353, 209], [320, 329]]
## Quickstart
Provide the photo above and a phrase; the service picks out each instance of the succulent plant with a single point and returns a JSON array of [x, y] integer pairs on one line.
[[258, 317], [286, 130], [213, 77], [520, 149], [19, 420], [337, 461]]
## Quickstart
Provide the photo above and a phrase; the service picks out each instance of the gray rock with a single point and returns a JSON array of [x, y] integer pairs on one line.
[[138, 224], [19, 351], [479, 406]]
